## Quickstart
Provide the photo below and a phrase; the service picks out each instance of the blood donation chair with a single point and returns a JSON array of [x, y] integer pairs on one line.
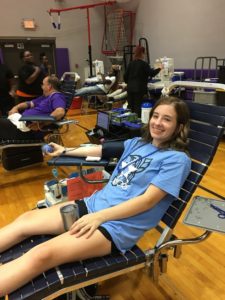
[[21, 153], [207, 127]]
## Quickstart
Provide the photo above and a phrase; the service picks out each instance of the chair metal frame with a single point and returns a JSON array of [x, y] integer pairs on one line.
[[207, 127], [206, 63], [52, 131]]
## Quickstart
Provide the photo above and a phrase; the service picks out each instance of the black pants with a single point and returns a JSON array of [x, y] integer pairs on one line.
[[8, 131], [6, 103], [83, 211], [135, 101]]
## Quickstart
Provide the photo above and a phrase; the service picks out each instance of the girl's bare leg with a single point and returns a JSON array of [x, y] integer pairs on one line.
[[61, 249], [34, 222]]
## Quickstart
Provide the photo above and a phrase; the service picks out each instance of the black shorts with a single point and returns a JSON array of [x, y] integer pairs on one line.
[[83, 211]]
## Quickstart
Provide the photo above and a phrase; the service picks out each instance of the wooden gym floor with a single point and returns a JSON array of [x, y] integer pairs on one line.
[[198, 274]]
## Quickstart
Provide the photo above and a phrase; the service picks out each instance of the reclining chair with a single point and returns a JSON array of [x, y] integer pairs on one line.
[[207, 127], [20, 153]]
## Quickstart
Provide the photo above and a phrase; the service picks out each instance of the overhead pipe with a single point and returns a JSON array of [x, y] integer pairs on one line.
[[56, 10]]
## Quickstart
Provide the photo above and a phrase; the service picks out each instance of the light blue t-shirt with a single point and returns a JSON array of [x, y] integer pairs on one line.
[[140, 165]]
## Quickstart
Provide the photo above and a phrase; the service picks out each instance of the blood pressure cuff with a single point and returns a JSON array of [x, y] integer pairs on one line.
[[112, 149]]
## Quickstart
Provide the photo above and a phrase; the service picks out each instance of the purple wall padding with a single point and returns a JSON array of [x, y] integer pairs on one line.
[[62, 61], [189, 73], [1, 56]]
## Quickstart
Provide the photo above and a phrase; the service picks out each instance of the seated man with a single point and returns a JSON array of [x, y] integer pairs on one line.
[[102, 88], [52, 103]]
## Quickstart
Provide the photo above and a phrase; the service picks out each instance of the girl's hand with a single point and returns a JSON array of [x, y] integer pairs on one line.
[[86, 225], [57, 149]]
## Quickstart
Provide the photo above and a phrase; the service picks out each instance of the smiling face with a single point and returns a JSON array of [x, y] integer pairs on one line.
[[163, 124]]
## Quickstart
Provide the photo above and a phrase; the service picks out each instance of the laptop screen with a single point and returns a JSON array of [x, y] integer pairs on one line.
[[103, 120]]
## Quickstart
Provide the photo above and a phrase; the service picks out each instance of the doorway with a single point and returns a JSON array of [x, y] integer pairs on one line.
[[11, 48]]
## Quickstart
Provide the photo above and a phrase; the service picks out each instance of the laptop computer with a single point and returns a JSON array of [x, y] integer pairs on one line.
[[103, 120]]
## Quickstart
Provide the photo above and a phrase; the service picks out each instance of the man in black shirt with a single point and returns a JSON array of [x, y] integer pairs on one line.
[[30, 78]]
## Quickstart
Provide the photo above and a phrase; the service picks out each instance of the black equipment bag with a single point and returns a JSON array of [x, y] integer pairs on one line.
[[14, 158]]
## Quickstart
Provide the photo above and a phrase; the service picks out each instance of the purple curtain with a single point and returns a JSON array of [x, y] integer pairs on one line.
[[1, 56], [62, 61]]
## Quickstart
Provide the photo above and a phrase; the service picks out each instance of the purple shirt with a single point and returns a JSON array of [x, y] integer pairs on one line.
[[45, 105]]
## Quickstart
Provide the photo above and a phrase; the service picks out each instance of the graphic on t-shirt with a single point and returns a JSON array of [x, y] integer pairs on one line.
[[128, 168]]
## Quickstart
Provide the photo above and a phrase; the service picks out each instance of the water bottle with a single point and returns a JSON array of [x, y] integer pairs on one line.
[[145, 111]]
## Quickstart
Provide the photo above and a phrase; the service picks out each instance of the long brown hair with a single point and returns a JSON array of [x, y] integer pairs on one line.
[[179, 139]]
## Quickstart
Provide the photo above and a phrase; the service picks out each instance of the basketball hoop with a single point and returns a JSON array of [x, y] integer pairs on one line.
[[118, 32]]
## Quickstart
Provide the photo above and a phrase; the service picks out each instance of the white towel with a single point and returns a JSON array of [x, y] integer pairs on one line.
[[15, 119]]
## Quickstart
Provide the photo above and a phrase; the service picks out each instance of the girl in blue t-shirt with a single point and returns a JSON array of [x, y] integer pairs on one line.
[[148, 176]]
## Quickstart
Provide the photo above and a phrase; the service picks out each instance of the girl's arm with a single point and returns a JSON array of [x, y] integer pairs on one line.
[[93, 150], [90, 222]]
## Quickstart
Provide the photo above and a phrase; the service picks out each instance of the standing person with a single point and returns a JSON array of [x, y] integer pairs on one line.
[[30, 78], [45, 66], [114, 218], [136, 76], [7, 89]]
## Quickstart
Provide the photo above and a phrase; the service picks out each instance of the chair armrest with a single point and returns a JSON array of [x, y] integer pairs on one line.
[[38, 118], [77, 161], [206, 213], [81, 162]]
